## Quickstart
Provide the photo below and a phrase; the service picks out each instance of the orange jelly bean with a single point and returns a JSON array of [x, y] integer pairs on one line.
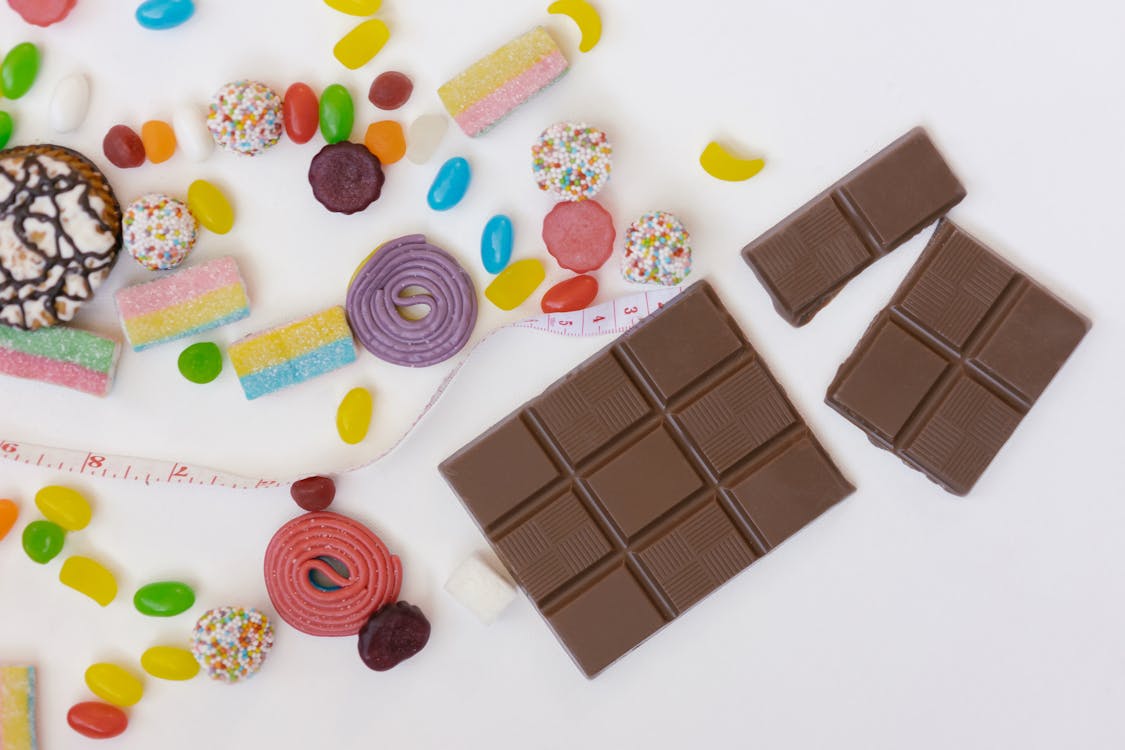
[[159, 140], [386, 141], [9, 512]]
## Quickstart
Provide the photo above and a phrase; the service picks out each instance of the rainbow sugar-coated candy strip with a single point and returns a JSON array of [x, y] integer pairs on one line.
[[292, 353], [17, 709], [190, 301], [63, 356], [492, 87]]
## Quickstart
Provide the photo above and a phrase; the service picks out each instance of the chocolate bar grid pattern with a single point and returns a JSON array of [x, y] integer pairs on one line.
[[725, 443], [970, 343]]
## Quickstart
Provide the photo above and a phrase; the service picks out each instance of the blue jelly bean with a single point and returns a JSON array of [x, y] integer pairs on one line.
[[496, 243], [450, 184], [164, 14]]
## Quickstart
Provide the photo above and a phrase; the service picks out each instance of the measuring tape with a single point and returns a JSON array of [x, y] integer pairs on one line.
[[612, 317]]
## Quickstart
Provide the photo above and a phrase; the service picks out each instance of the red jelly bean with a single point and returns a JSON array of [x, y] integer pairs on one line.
[[570, 295], [313, 493], [392, 635], [42, 12], [98, 721], [579, 235], [301, 113], [390, 90], [123, 147]]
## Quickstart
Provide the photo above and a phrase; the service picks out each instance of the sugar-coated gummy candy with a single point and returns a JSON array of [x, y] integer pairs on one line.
[[89, 577], [192, 135], [353, 416], [164, 598], [42, 12], [393, 634], [337, 114], [159, 141], [164, 14], [114, 684], [169, 663], [362, 43], [515, 283], [61, 355], [313, 493], [97, 720], [43, 540], [301, 112], [424, 136], [385, 139], [65, 506], [210, 206], [579, 235], [19, 69], [481, 589], [69, 103], [496, 243], [568, 296], [123, 147], [159, 231], [390, 90], [9, 512], [6, 128], [450, 184], [355, 7]]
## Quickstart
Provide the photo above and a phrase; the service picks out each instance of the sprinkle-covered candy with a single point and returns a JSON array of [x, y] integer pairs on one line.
[[245, 117], [572, 161], [231, 643], [657, 250], [159, 231]]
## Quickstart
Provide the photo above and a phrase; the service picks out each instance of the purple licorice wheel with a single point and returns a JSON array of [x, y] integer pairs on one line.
[[379, 290]]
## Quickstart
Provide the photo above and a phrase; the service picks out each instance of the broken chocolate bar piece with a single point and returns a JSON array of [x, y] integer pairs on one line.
[[964, 349], [645, 479]]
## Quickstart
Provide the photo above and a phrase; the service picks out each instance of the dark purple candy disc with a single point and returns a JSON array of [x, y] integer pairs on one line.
[[346, 177]]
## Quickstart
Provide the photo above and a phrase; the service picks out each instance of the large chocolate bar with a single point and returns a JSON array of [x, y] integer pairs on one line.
[[964, 349], [809, 257], [645, 479]]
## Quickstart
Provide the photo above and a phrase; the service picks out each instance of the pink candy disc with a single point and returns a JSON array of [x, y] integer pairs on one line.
[[579, 235]]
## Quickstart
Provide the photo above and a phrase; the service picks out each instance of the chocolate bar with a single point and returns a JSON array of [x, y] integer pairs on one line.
[[948, 369], [809, 257], [646, 478]]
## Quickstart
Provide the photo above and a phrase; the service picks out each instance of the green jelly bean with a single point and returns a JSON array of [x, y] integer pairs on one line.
[[201, 363], [43, 540], [164, 598], [18, 71], [6, 128], [337, 114]]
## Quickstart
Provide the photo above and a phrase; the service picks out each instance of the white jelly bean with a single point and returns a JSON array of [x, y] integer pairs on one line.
[[69, 103], [424, 136], [192, 135]]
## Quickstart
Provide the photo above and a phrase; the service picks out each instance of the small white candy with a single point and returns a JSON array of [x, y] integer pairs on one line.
[[424, 136], [480, 588], [69, 103], [192, 135]]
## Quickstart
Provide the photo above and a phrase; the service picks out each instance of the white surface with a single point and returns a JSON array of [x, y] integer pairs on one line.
[[905, 617]]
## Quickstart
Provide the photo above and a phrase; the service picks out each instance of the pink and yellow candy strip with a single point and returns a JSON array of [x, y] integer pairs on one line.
[[17, 709]]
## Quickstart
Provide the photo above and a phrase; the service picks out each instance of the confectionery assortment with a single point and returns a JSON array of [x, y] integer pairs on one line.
[[617, 499]]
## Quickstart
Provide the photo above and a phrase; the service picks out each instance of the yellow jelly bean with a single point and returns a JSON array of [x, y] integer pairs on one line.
[[114, 684], [210, 206], [723, 165], [355, 7], [89, 577], [516, 283], [66, 507], [170, 663], [353, 417], [362, 43]]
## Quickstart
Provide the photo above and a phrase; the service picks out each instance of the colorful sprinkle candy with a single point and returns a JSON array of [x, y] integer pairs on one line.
[[245, 117], [231, 643], [159, 231], [657, 250], [572, 160]]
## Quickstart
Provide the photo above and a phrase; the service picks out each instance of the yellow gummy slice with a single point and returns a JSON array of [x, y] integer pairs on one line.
[[722, 165], [353, 418], [361, 44], [170, 663], [516, 283], [355, 7], [587, 18], [114, 684], [89, 577]]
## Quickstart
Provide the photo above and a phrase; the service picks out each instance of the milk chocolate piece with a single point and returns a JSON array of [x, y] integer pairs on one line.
[[809, 257], [646, 478], [964, 349]]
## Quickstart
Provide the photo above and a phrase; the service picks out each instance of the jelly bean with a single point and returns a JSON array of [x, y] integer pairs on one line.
[[164, 14], [516, 283], [89, 577], [18, 71], [43, 540], [496, 243], [164, 598], [98, 721], [362, 43], [66, 507], [424, 136], [355, 7], [69, 103], [159, 140], [210, 206], [570, 295], [300, 112], [123, 147], [390, 90], [42, 12], [353, 417], [6, 128], [9, 512], [450, 184], [313, 493], [192, 134], [386, 141], [114, 684], [337, 114], [170, 663]]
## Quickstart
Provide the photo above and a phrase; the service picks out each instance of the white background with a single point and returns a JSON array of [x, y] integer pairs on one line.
[[905, 617]]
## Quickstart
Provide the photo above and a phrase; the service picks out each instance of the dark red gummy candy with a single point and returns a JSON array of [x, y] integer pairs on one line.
[[392, 635], [42, 12], [123, 147], [390, 90], [313, 493]]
